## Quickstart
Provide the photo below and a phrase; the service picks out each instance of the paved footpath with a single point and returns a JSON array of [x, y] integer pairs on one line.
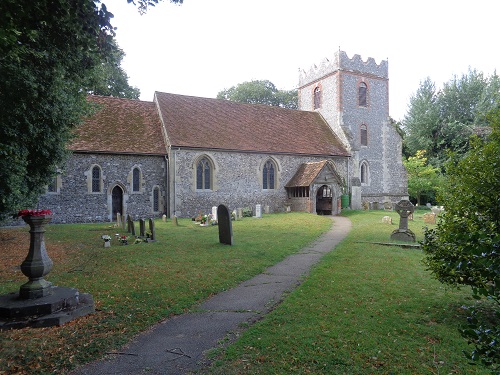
[[177, 345]]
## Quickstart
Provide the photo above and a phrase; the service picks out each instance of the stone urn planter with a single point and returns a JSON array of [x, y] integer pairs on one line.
[[37, 264]]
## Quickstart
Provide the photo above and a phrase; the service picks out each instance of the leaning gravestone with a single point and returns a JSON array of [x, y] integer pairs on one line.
[[130, 223], [152, 231], [404, 208], [225, 225]]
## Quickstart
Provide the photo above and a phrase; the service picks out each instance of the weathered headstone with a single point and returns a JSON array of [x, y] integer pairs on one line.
[[164, 218], [152, 231], [132, 226], [429, 218], [118, 219], [387, 206], [174, 221], [258, 211], [387, 220], [129, 223], [235, 215], [266, 209], [365, 205], [214, 213], [225, 225], [404, 208], [240, 214], [142, 228]]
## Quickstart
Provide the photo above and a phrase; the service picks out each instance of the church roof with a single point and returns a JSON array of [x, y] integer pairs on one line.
[[120, 126], [306, 174], [194, 122]]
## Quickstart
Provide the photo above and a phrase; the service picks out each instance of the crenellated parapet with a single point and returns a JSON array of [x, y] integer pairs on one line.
[[342, 62]]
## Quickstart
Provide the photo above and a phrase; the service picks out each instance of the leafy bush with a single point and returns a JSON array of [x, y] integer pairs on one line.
[[463, 249]]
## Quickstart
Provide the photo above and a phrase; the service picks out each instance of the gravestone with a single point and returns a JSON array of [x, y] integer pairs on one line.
[[387, 220], [436, 210], [225, 225], [142, 228], [174, 221], [129, 223], [240, 214], [404, 208], [429, 218], [258, 211], [266, 209], [214, 213], [164, 218], [365, 205], [118, 219], [152, 231], [387, 206], [132, 226]]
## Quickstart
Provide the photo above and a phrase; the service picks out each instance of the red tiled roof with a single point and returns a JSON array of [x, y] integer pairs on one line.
[[221, 124], [120, 126], [306, 174]]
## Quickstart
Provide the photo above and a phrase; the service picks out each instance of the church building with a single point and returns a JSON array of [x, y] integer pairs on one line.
[[181, 155]]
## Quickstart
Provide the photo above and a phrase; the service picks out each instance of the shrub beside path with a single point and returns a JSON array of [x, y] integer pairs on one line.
[[178, 345]]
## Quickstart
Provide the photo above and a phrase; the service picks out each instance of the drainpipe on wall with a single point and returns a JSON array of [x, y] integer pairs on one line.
[[167, 189]]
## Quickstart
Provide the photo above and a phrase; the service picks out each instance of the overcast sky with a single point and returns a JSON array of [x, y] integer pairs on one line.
[[204, 46]]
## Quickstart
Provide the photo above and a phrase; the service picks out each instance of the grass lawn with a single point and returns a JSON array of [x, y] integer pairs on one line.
[[365, 309], [138, 285]]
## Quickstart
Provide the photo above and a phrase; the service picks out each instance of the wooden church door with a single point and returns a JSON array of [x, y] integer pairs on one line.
[[117, 201]]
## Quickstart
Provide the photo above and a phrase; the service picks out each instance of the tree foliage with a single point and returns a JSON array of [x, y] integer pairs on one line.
[[260, 92], [423, 178], [50, 55], [109, 78], [442, 121], [464, 247]]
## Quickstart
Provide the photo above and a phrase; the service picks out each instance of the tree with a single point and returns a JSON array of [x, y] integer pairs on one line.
[[109, 78], [49, 52], [423, 178], [464, 247], [260, 92], [441, 121]]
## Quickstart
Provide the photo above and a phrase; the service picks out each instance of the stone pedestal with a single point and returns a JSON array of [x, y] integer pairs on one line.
[[38, 303]]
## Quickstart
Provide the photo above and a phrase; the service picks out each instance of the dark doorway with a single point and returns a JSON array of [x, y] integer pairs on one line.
[[324, 201], [117, 201]]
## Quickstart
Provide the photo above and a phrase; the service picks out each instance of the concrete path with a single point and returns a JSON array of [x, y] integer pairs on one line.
[[178, 345]]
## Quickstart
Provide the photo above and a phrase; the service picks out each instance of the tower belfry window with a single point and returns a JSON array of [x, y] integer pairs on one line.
[[317, 98], [362, 93]]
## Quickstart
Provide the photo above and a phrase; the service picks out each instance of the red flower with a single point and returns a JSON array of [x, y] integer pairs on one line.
[[34, 213]]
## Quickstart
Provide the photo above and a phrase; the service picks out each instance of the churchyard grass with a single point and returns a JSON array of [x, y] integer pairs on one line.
[[365, 309], [135, 286]]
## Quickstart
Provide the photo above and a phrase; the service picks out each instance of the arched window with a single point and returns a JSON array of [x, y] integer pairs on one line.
[[364, 135], [268, 175], [136, 179], [204, 175], [364, 172], [317, 97], [96, 179], [362, 94], [156, 199]]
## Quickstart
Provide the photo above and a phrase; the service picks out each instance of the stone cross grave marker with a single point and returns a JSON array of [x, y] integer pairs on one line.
[[258, 210], [225, 225], [152, 230], [404, 208], [142, 228]]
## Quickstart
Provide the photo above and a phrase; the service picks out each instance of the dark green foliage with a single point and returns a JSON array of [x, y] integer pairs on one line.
[[260, 92], [52, 53], [439, 121], [464, 247]]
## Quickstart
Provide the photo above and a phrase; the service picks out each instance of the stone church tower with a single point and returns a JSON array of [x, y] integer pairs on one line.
[[352, 95]]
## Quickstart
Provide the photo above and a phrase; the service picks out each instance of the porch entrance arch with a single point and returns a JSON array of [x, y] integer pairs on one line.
[[324, 200]]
